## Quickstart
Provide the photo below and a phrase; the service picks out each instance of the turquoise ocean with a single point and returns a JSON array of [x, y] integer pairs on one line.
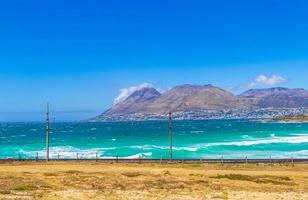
[[150, 139]]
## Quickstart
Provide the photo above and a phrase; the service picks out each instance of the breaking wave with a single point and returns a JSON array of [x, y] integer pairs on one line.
[[138, 155], [67, 152], [292, 140], [149, 147], [302, 138]]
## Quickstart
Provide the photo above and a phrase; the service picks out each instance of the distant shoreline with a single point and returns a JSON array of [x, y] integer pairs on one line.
[[288, 119]]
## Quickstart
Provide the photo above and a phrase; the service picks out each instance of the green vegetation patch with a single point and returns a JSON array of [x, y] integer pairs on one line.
[[278, 180], [72, 172], [50, 174], [5, 192], [132, 174], [24, 187]]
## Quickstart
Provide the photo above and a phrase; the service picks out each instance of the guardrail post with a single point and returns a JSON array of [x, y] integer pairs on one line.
[[19, 157], [58, 157], [246, 161], [96, 157], [117, 158], [77, 156], [292, 161], [36, 157], [139, 159]]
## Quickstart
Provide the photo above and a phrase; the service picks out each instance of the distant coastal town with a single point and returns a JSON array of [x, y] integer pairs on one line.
[[265, 113]]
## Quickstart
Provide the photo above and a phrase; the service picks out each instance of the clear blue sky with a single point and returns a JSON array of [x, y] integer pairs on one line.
[[78, 54]]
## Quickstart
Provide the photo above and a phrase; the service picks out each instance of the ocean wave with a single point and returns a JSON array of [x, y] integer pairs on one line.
[[292, 140], [68, 152], [257, 154], [150, 147], [186, 148], [138, 155], [300, 134], [245, 136], [196, 132]]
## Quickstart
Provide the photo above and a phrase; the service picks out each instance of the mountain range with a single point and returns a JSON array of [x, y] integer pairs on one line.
[[189, 98]]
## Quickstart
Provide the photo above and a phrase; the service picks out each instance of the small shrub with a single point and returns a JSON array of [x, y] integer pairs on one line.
[[132, 174], [5, 192], [24, 187], [278, 180], [49, 174]]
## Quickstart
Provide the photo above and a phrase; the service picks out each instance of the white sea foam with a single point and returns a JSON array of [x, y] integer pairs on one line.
[[258, 154], [150, 147], [186, 148], [245, 136], [139, 155], [68, 152], [299, 134], [292, 140], [196, 132]]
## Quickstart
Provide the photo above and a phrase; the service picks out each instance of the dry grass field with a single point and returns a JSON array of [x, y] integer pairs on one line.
[[90, 180]]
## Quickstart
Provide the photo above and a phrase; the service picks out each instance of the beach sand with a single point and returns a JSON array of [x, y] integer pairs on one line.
[[90, 180]]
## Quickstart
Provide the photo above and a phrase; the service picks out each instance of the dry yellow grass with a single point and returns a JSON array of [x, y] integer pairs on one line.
[[90, 180]]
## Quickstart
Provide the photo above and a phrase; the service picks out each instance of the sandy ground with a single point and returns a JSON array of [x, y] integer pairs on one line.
[[84, 180]]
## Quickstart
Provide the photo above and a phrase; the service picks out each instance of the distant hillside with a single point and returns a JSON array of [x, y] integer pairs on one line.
[[277, 97], [196, 97], [139, 101], [179, 98], [190, 98]]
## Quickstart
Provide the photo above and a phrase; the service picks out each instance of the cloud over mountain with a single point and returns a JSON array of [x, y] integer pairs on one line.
[[263, 80], [126, 92]]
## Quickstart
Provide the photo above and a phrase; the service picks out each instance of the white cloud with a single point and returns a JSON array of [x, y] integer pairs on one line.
[[264, 80], [125, 92], [270, 80]]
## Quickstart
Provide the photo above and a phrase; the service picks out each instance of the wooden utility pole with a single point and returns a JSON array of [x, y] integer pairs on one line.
[[47, 133], [170, 135]]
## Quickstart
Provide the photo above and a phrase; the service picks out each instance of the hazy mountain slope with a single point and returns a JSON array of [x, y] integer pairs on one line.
[[277, 97], [185, 98], [180, 98], [195, 97], [136, 102]]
